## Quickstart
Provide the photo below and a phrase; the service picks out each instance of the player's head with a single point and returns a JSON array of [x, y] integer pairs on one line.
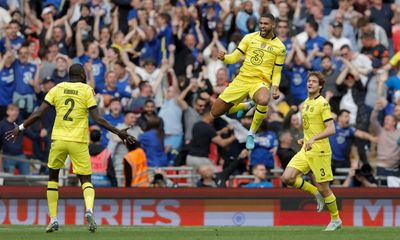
[[315, 82], [77, 73], [267, 24]]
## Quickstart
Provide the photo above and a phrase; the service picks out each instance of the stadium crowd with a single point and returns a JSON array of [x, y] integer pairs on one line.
[[154, 68]]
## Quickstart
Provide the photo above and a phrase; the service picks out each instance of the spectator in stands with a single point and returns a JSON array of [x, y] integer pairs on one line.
[[337, 39], [362, 177], [260, 176], [7, 82], [210, 54], [160, 180], [314, 40], [149, 110], [285, 152], [296, 71], [103, 173], [332, 75], [360, 62], [152, 142], [117, 147], [60, 74], [114, 116], [203, 134], [388, 151], [12, 40], [266, 144], [341, 140], [145, 95], [14, 149], [374, 50], [292, 123], [135, 167], [26, 80], [171, 114], [211, 179], [243, 15]]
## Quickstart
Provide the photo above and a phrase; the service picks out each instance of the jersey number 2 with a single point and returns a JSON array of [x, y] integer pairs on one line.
[[67, 102]]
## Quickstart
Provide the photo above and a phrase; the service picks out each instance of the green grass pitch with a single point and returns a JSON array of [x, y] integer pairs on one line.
[[199, 233]]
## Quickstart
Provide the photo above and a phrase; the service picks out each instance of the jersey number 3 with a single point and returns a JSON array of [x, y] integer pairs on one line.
[[67, 102], [257, 59]]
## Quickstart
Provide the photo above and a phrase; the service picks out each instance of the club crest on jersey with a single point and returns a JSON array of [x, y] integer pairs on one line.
[[263, 45], [311, 109]]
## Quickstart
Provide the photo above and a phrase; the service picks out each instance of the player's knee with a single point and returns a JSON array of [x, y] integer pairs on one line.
[[287, 179], [263, 101]]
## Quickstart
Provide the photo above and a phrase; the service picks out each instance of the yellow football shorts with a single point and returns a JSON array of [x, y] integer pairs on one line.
[[78, 153], [239, 89], [319, 164]]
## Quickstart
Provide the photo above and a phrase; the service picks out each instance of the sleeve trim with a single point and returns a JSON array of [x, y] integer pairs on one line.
[[240, 50], [92, 107], [327, 120], [280, 65], [48, 102]]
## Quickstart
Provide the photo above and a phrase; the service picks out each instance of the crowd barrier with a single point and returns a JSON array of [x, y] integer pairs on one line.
[[201, 207]]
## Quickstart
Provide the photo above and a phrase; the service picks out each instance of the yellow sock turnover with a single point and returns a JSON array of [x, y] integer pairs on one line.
[[305, 186]]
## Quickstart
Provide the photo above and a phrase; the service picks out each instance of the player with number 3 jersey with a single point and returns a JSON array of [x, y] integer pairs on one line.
[[262, 66]]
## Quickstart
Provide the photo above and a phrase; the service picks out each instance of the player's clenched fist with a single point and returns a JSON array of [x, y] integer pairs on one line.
[[221, 55]]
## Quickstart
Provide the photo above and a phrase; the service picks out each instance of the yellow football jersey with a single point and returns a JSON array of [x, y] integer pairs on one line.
[[315, 113], [261, 56], [72, 101], [395, 59]]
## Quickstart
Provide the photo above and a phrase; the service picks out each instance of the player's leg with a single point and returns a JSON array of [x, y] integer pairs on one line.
[[52, 199], [261, 98], [57, 158], [231, 97], [242, 108], [322, 170], [291, 176], [81, 163], [88, 194], [219, 108], [330, 202]]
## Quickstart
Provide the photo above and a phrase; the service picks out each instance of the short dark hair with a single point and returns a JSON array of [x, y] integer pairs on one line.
[[328, 43], [324, 57], [313, 25], [95, 135], [268, 15], [77, 73], [345, 46], [343, 111]]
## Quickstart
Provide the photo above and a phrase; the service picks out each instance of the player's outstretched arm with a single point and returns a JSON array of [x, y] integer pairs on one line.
[[11, 135], [94, 113], [230, 58]]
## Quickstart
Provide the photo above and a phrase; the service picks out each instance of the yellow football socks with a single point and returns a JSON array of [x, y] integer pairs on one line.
[[88, 194], [305, 186], [330, 202], [258, 117], [52, 198]]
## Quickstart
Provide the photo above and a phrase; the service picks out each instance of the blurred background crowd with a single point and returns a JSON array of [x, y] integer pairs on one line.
[[153, 66]]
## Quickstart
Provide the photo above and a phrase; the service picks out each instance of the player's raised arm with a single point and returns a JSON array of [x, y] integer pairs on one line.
[[236, 54], [94, 113], [13, 134]]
